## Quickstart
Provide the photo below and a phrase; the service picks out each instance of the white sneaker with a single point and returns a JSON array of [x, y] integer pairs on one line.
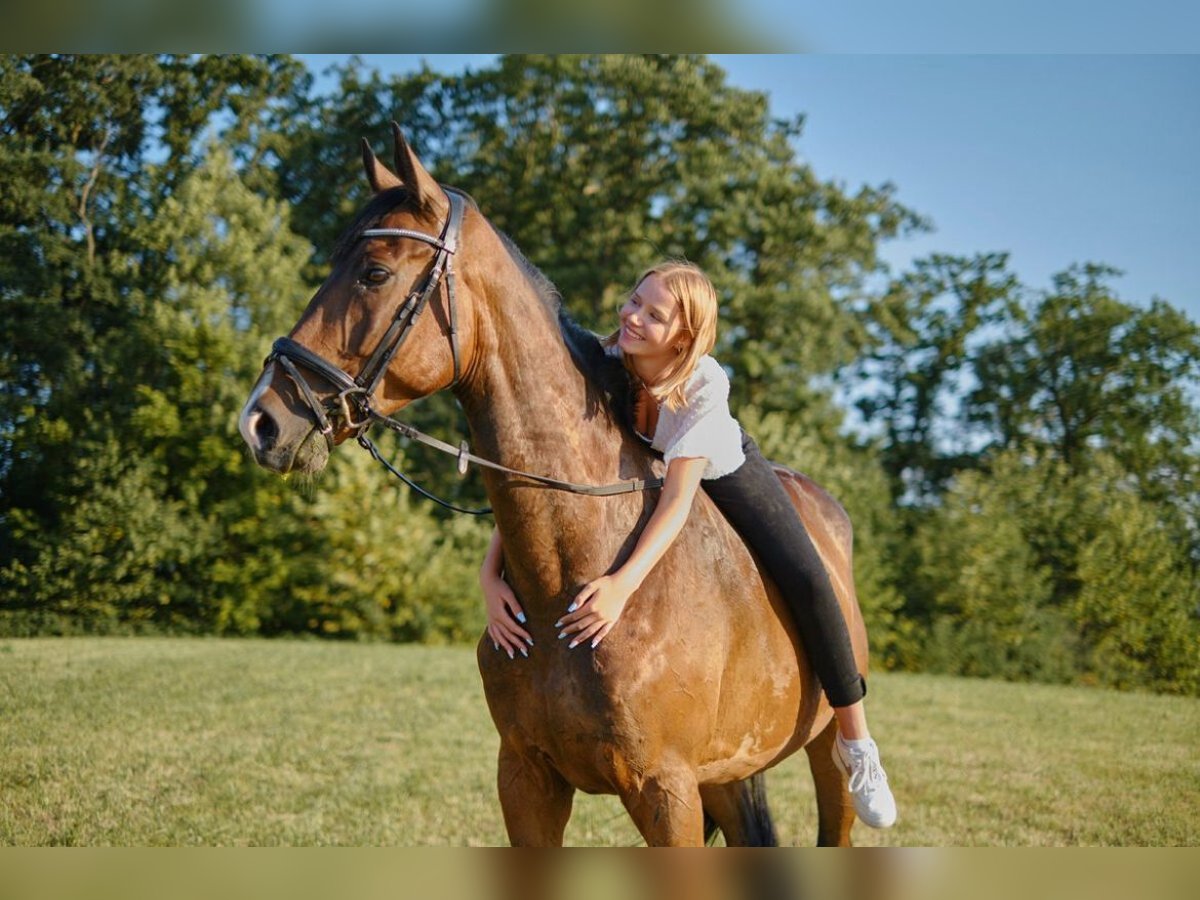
[[873, 800]]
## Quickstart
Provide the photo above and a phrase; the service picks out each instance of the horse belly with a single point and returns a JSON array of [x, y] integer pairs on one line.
[[770, 706]]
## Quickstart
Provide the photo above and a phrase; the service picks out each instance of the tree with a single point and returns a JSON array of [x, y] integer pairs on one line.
[[980, 592], [158, 478], [80, 133], [1082, 371], [1138, 602], [1033, 570], [924, 330]]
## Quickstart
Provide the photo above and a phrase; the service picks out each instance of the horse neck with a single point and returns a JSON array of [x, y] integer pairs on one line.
[[529, 405], [530, 408]]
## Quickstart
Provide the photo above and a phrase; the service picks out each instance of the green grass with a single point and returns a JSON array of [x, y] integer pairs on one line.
[[215, 742]]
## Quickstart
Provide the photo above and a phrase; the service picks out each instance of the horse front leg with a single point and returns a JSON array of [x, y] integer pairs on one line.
[[535, 799], [665, 806]]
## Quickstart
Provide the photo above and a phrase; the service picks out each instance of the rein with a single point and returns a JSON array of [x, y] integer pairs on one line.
[[352, 403]]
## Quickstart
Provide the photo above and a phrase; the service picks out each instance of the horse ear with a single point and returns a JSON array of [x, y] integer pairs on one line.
[[412, 173], [380, 177]]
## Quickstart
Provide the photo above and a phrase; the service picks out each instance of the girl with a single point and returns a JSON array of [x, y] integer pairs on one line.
[[668, 327]]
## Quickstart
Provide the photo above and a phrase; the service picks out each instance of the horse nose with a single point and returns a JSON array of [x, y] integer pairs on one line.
[[265, 429], [259, 428]]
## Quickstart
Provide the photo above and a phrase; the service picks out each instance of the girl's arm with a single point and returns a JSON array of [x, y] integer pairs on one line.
[[503, 610], [598, 606]]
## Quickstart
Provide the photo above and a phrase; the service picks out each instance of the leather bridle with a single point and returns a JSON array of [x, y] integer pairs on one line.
[[354, 394], [352, 403]]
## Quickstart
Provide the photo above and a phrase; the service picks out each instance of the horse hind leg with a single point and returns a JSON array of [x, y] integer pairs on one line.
[[835, 810], [740, 810]]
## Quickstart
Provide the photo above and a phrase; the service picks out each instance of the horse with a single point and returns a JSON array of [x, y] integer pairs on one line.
[[703, 684]]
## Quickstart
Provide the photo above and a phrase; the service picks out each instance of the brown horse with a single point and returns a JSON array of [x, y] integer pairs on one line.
[[703, 683]]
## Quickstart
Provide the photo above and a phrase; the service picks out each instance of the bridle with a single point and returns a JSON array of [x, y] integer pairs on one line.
[[352, 403], [354, 394]]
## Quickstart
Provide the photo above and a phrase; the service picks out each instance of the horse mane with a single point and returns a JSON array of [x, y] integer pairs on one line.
[[606, 375]]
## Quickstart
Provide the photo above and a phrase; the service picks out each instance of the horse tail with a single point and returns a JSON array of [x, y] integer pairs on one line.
[[740, 810], [760, 829], [711, 830]]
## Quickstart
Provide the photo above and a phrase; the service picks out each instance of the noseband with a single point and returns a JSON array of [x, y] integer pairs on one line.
[[352, 403]]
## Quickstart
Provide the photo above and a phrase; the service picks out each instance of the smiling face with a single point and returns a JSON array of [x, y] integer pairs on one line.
[[652, 331]]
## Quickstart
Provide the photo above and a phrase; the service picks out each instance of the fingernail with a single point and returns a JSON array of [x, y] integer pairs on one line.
[[561, 635], [595, 642], [573, 607], [496, 645], [529, 641], [510, 654], [524, 652], [572, 644], [521, 617], [558, 624]]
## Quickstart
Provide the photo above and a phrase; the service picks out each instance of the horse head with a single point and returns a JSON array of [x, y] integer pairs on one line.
[[393, 322]]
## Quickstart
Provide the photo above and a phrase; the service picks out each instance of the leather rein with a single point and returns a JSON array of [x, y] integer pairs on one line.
[[352, 403]]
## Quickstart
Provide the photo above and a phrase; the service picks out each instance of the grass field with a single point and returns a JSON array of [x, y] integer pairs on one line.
[[214, 742]]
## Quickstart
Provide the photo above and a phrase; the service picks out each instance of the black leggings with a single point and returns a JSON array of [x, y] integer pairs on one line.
[[759, 508]]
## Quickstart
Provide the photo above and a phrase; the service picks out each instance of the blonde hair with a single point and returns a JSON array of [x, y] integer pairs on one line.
[[697, 298]]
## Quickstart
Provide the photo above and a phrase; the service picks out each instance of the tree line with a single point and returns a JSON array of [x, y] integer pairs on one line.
[[1020, 461]]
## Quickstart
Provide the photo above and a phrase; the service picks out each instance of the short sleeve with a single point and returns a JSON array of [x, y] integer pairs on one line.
[[705, 427]]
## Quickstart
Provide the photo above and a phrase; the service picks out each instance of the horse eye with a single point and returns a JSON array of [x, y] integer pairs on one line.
[[376, 275]]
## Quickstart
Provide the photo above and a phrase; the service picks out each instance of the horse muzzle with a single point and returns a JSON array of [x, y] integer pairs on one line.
[[281, 441]]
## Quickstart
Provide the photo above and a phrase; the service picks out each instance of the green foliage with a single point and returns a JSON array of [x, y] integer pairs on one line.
[[82, 194], [389, 568], [154, 470], [1033, 571], [119, 561], [979, 587], [1138, 605]]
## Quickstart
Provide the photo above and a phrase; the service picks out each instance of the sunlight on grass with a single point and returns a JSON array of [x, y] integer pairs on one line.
[[212, 742]]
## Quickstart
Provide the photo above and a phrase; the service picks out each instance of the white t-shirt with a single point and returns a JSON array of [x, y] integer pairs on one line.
[[703, 426]]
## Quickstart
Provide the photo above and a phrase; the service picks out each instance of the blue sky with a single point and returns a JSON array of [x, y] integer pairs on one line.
[[972, 26], [1055, 159]]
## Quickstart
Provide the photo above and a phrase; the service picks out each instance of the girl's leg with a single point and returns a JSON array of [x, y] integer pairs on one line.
[[852, 721], [761, 511]]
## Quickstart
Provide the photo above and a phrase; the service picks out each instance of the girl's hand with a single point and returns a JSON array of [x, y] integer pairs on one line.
[[504, 614], [595, 610]]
